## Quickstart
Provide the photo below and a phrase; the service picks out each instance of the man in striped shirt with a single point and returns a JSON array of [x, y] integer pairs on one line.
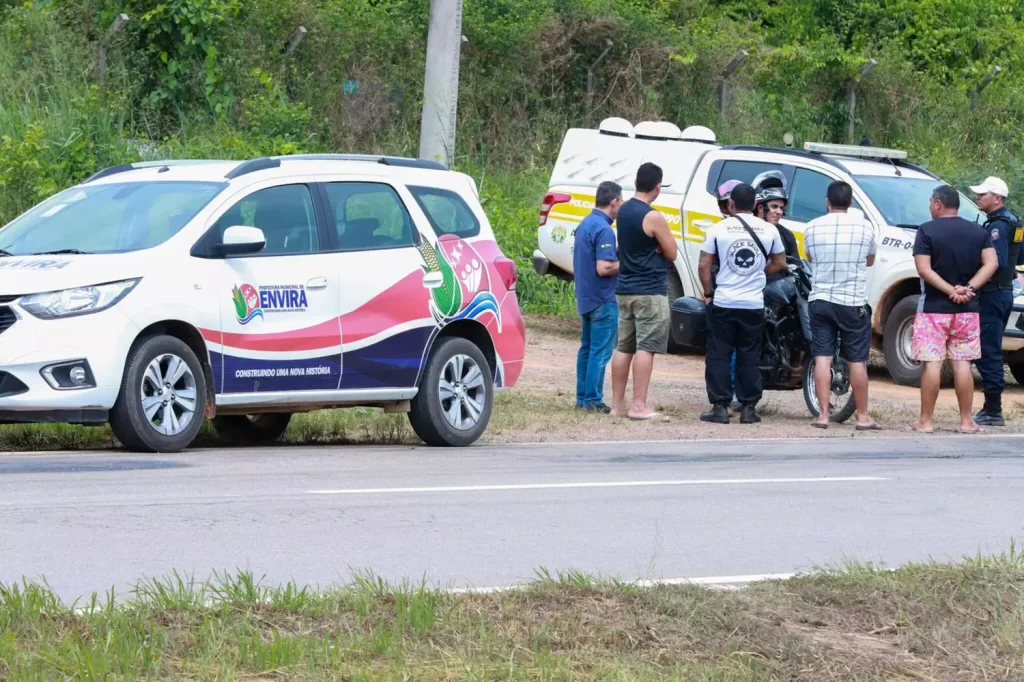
[[841, 247]]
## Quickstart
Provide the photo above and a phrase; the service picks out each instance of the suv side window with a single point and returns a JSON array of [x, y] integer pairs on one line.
[[368, 216], [447, 212], [286, 216]]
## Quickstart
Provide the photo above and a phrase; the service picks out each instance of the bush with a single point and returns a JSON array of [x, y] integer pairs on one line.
[[210, 78]]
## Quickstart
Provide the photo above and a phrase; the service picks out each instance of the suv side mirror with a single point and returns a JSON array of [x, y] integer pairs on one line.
[[240, 240]]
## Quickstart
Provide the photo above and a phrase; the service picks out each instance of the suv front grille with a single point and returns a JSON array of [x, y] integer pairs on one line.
[[7, 318]]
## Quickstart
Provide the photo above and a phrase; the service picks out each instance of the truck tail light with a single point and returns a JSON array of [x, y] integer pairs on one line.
[[506, 267], [551, 199]]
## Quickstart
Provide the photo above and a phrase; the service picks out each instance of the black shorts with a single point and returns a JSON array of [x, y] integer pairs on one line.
[[850, 325]]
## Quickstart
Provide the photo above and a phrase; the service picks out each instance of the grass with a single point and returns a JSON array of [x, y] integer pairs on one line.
[[514, 412], [858, 623]]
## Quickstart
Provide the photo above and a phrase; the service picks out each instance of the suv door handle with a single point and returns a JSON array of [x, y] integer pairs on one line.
[[317, 283], [703, 224]]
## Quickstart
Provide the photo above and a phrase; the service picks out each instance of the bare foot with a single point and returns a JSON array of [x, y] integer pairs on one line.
[[643, 415], [923, 428], [971, 427], [619, 412], [819, 424]]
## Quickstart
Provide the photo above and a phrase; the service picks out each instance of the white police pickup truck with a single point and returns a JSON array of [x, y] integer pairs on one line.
[[892, 193]]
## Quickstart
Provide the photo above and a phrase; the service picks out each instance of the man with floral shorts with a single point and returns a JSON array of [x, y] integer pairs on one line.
[[954, 258]]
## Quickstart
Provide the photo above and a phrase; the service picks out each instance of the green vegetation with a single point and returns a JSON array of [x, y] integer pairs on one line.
[[515, 413], [209, 78], [921, 622]]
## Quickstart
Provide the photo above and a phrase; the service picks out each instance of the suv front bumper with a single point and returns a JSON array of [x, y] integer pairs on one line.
[[29, 346]]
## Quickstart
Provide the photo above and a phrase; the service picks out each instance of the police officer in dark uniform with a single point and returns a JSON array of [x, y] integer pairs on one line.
[[996, 296]]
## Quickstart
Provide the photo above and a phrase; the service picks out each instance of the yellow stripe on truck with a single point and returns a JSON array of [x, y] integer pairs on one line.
[[696, 234], [582, 204]]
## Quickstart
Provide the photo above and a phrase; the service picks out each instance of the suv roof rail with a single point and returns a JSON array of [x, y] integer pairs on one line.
[[789, 152], [400, 161], [252, 166], [125, 167]]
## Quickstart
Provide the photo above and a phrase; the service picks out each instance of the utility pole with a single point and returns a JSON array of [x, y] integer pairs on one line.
[[851, 99], [441, 81], [723, 83]]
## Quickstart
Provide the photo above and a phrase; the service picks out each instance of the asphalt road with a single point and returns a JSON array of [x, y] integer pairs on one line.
[[491, 516]]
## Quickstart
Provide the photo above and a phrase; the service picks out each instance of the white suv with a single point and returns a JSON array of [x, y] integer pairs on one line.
[[155, 295]]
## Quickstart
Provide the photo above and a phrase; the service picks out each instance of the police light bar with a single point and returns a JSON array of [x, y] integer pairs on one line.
[[855, 150]]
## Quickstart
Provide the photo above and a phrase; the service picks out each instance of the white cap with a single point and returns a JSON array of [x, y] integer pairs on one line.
[[992, 185]]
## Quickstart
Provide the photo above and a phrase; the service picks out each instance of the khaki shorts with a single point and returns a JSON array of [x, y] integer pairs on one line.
[[643, 324]]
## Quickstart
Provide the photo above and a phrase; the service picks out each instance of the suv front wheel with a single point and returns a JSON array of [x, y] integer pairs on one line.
[[163, 397], [456, 395]]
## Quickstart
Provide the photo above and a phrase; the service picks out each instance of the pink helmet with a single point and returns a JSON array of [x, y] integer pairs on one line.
[[726, 188]]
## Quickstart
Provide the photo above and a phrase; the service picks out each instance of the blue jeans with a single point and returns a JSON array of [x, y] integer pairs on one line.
[[596, 345]]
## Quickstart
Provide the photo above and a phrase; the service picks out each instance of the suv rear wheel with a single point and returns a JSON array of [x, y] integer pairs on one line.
[[251, 429], [456, 395], [163, 397]]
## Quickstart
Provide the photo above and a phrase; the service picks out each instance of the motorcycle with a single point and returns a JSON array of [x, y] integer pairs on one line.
[[786, 363]]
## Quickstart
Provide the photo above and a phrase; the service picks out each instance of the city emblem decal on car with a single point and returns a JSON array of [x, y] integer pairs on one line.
[[465, 288], [251, 302], [558, 234]]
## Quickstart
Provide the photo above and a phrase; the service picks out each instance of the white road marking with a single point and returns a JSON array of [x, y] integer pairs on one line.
[[724, 582], [592, 484]]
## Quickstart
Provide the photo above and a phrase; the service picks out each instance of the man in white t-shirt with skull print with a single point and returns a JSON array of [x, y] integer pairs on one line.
[[747, 250]]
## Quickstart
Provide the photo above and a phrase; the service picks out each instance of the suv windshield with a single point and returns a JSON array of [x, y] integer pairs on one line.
[[109, 218], [903, 202]]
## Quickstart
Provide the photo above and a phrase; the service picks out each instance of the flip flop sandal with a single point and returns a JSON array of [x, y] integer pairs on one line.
[[872, 427], [819, 426], [913, 427], [652, 415]]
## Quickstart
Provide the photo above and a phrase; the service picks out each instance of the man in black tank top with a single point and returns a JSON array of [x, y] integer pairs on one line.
[[646, 250]]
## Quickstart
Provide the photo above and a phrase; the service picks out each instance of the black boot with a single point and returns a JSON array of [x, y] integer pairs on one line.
[[992, 412], [749, 415], [718, 414]]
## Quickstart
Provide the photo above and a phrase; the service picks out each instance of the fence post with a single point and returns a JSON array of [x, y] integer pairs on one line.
[[989, 77], [101, 57], [590, 79], [851, 99], [723, 83]]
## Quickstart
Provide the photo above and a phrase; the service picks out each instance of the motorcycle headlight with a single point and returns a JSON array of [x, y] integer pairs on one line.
[[78, 301]]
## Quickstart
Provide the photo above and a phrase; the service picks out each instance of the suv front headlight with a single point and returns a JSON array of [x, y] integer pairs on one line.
[[77, 301]]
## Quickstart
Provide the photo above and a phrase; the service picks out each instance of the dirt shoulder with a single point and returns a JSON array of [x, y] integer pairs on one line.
[[678, 392]]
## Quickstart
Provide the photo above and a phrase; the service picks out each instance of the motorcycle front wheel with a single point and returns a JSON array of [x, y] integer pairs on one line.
[[841, 404]]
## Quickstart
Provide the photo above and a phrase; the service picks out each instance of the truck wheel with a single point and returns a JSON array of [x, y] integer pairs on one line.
[[252, 429], [675, 290], [898, 333], [841, 402], [456, 395], [163, 397]]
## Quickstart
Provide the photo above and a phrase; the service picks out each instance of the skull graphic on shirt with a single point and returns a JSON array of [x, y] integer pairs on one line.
[[743, 257]]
